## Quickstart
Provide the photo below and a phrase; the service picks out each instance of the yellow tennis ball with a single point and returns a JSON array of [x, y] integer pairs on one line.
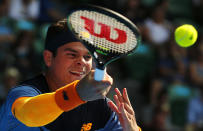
[[185, 35]]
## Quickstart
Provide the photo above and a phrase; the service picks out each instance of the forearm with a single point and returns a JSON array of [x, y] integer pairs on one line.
[[36, 111], [45, 108]]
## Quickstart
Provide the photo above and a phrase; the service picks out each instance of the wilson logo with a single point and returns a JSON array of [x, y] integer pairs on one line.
[[105, 31], [86, 127]]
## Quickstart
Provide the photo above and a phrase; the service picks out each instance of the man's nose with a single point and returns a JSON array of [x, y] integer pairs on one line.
[[81, 61]]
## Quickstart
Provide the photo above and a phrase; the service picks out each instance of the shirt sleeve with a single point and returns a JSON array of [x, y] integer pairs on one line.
[[7, 121], [20, 91]]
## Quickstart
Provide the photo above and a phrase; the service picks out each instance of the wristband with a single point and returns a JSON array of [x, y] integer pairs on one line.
[[67, 97]]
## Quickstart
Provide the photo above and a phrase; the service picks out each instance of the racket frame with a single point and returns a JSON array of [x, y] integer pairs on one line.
[[101, 60]]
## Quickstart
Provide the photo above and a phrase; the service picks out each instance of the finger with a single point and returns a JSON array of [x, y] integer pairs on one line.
[[102, 86], [127, 114], [105, 92], [129, 109], [102, 92], [113, 107], [123, 113], [125, 96], [117, 100], [90, 76], [119, 95], [107, 77]]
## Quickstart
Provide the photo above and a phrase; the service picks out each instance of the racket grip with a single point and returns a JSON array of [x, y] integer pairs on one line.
[[99, 74]]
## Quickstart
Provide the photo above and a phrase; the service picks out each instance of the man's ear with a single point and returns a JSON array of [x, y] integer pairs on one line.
[[48, 56]]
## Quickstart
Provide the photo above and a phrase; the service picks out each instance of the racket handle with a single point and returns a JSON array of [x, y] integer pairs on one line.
[[99, 74]]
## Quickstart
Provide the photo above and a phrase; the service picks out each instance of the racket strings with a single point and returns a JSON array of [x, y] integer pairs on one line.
[[103, 32]]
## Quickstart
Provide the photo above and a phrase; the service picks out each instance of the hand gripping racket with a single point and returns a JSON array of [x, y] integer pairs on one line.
[[106, 34]]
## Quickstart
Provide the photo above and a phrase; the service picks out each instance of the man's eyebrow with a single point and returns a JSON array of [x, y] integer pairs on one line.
[[72, 50], [69, 49]]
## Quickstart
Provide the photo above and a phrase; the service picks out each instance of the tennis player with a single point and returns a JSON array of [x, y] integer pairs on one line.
[[65, 97]]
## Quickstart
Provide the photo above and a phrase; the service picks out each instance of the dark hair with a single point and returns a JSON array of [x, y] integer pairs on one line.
[[58, 34], [56, 28]]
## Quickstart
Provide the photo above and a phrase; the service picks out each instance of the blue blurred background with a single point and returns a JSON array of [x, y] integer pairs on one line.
[[164, 81]]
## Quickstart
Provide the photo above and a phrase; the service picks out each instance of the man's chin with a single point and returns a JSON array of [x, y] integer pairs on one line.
[[77, 78]]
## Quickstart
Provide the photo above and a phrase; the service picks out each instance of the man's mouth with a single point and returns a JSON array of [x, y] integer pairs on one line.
[[77, 73]]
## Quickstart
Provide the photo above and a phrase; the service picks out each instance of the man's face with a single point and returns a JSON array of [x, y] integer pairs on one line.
[[72, 62]]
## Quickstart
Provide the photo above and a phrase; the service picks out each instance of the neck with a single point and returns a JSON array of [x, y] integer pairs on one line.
[[53, 86]]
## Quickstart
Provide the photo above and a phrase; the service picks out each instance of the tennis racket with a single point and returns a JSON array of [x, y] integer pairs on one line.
[[105, 33]]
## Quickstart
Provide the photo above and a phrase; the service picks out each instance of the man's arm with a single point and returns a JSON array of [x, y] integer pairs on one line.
[[42, 109]]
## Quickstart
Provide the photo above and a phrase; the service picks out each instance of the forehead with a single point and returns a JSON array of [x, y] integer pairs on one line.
[[77, 46]]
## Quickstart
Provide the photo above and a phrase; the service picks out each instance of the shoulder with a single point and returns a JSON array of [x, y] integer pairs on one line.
[[15, 93], [29, 87], [24, 90], [21, 91], [38, 83]]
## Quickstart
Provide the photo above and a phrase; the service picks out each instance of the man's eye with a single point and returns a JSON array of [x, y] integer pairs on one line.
[[87, 57], [71, 55]]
